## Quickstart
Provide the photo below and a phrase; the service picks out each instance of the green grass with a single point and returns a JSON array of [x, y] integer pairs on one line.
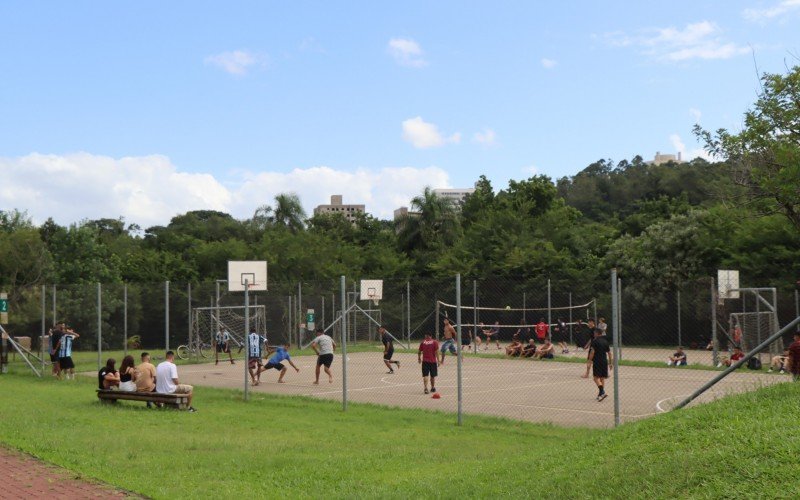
[[742, 446]]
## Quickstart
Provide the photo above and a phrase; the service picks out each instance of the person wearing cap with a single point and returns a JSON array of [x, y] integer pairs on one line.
[[600, 361], [794, 357], [324, 346]]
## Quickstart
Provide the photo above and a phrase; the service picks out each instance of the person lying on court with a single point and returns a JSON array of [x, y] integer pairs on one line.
[[677, 359], [281, 353]]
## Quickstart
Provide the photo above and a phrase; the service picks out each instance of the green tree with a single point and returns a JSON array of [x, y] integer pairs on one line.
[[765, 156]]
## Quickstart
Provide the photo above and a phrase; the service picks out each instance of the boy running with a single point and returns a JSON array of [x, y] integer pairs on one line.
[[281, 354], [426, 356], [388, 349], [222, 343], [601, 361]]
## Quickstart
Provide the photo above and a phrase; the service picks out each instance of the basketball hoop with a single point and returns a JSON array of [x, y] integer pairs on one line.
[[374, 298]]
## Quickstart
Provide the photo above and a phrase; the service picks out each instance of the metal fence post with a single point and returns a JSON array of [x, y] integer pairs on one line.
[[475, 314], [166, 315], [247, 336], [344, 344], [125, 318], [408, 313], [44, 322], [615, 326], [797, 306], [680, 336], [549, 311], [458, 346], [99, 326], [570, 318], [714, 347], [289, 321], [299, 313], [189, 320], [619, 313], [55, 293]]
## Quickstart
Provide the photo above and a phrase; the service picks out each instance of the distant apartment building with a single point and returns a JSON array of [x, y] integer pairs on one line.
[[457, 195], [661, 159], [336, 207]]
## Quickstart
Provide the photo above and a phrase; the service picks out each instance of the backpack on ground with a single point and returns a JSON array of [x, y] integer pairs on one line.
[[754, 364]]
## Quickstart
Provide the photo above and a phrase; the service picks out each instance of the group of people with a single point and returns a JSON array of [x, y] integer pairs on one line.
[[323, 345], [144, 377], [61, 337]]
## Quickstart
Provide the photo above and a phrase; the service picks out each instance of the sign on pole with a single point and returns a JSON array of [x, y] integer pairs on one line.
[[310, 319], [4, 308]]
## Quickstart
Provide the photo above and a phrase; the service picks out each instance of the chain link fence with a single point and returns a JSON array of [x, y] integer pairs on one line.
[[522, 344]]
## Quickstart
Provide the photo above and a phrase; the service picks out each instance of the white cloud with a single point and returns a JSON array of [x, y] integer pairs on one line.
[[548, 63], [702, 40], [424, 135], [530, 170], [237, 62], [487, 137], [150, 190], [696, 114], [779, 9], [407, 52], [679, 146]]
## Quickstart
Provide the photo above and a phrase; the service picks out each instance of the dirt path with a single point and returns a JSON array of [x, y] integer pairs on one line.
[[26, 477]]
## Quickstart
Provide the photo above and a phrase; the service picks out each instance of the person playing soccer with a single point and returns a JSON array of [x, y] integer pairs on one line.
[[324, 346], [601, 361], [388, 349], [281, 354], [254, 363], [64, 349], [561, 335], [426, 356], [222, 343], [494, 331], [449, 339]]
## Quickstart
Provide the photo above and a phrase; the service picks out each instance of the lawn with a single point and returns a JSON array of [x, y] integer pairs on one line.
[[290, 446]]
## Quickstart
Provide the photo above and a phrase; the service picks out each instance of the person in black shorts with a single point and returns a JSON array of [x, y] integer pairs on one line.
[[324, 346], [427, 357], [600, 360], [388, 349], [55, 334]]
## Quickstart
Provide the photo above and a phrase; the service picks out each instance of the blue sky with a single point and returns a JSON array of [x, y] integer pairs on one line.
[[148, 109]]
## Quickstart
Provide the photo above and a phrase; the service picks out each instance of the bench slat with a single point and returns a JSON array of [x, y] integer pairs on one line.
[[179, 401]]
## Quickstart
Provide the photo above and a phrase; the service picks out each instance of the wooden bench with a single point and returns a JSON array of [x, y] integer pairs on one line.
[[177, 401]]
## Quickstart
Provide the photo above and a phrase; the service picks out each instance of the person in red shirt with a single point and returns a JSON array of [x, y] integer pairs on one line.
[[541, 330], [794, 357], [736, 356], [427, 357]]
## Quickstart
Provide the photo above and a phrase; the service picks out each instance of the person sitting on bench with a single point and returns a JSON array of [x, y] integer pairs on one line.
[[167, 379], [108, 377]]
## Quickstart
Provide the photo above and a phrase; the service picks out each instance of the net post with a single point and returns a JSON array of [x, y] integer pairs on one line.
[[299, 312], [714, 347], [619, 314], [343, 292], [408, 313], [797, 306], [570, 318], [246, 336], [615, 323], [125, 317], [524, 307], [549, 311], [166, 316], [458, 346], [436, 322], [55, 295], [99, 325], [44, 322], [475, 315], [195, 355], [680, 333]]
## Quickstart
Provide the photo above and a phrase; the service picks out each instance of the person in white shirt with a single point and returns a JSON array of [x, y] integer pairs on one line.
[[222, 344], [324, 346], [167, 379], [254, 362]]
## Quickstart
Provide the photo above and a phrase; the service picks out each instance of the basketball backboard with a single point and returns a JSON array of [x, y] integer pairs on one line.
[[252, 272], [727, 280], [371, 290]]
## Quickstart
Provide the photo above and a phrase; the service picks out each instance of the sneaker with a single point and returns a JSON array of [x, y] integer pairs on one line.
[[149, 404], [390, 372], [602, 397], [782, 372], [669, 363], [719, 365], [769, 371], [433, 389], [192, 410], [426, 391]]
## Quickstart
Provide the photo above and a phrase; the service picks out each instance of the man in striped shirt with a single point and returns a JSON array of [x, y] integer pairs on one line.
[[255, 342], [222, 343], [64, 350]]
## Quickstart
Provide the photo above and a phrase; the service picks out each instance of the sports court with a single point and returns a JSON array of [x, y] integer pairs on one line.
[[536, 391]]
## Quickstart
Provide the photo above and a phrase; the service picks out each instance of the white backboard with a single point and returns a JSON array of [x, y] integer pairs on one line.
[[371, 289], [253, 272], [727, 280]]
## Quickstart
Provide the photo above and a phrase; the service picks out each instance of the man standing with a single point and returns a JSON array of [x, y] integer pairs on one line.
[[167, 379], [794, 357], [64, 348], [427, 357], [388, 349], [449, 339], [55, 335], [222, 343], [254, 356], [601, 361], [324, 346], [281, 354], [541, 330]]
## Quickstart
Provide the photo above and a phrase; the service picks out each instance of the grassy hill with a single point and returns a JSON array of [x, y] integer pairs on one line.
[[742, 446]]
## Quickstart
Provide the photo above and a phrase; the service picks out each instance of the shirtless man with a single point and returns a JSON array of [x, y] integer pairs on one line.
[[449, 340]]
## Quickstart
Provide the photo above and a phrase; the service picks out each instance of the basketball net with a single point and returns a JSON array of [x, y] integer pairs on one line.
[[373, 299]]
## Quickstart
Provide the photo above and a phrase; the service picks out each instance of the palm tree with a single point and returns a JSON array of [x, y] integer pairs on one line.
[[432, 221], [289, 212]]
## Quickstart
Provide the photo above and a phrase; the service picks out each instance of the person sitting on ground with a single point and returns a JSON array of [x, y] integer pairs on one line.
[[780, 362], [530, 348], [677, 359], [127, 374], [546, 350], [167, 379], [515, 348], [108, 377], [728, 361]]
